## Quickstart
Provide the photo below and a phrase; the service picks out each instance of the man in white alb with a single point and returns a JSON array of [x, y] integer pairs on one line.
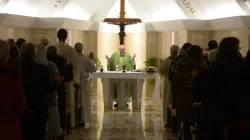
[[84, 94], [72, 58]]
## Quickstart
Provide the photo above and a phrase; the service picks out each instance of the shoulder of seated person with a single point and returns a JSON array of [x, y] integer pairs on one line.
[[10, 71]]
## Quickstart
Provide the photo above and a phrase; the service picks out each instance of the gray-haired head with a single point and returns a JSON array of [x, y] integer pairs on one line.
[[41, 56], [28, 51], [52, 50], [174, 49], [4, 51], [181, 51], [78, 46], [44, 41]]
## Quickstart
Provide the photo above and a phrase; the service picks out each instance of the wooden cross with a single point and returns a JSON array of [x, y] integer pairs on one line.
[[122, 21]]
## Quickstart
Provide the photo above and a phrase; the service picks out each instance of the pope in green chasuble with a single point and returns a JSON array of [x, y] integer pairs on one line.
[[118, 60]]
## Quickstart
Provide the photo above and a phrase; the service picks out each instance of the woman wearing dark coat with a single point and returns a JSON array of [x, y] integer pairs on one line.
[[185, 69], [223, 91], [37, 85]]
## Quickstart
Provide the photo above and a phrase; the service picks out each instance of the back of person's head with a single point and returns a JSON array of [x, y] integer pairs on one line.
[[194, 52], [52, 50], [20, 41], [248, 54], [181, 52], [4, 51], [62, 34], [14, 55], [247, 59], [44, 41], [10, 41], [186, 46], [228, 49], [212, 45], [41, 54], [14, 50], [78, 47], [28, 51], [174, 49]]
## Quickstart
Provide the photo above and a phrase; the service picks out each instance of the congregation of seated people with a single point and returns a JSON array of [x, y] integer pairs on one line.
[[34, 90], [34, 93]]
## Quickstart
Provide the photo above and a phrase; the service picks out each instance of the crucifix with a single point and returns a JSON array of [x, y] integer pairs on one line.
[[122, 21]]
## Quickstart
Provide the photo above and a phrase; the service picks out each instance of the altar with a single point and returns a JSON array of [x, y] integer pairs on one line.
[[122, 79]]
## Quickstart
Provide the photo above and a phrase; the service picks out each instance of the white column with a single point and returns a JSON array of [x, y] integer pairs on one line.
[[122, 104], [137, 88], [108, 92]]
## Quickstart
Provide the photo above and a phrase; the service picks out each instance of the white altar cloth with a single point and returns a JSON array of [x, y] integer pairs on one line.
[[138, 80]]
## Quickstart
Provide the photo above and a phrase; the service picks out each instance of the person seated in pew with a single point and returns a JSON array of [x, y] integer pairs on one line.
[[116, 63]]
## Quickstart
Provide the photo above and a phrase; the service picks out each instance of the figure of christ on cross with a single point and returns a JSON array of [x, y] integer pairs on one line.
[[122, 22], [122, 32]]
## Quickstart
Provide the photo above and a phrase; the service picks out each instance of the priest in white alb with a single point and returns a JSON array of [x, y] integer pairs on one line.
[[164, 71], [117, 61], [72, 58], [84, 94]]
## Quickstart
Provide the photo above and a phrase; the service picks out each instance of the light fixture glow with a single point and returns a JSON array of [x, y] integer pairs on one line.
[[20, 8], [248, 3], [115, 10], [168, 13], [73, 12], [224, 10]]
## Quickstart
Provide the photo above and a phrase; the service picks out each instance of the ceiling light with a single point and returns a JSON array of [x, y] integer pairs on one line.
[[248, 3]]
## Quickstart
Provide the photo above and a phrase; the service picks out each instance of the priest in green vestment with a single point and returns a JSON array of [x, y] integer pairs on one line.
[[118, 60]]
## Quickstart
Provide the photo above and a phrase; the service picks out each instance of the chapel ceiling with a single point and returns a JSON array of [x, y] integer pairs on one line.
[[147, 10]]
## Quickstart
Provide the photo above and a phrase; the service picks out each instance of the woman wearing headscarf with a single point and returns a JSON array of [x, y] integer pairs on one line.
[[54, 127]]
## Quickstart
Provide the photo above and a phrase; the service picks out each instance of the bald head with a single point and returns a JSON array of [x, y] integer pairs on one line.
[[122, 49], [4, 51], [44, 41]]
